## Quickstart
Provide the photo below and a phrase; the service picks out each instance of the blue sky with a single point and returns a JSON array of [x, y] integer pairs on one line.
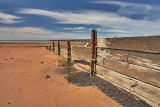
[[62, 19]]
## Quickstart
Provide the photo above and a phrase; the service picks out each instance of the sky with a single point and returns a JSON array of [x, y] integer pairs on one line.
[[74, 19]]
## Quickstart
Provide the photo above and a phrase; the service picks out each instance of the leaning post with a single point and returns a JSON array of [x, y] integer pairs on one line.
[[53, 47], [49, 47], [93, 51], [59, 48], [95, 57], [69, 52]]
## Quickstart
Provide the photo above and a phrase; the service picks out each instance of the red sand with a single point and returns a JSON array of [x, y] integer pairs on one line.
[[23, 82]]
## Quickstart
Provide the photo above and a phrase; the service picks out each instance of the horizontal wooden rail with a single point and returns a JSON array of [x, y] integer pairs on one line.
[[130, 50]]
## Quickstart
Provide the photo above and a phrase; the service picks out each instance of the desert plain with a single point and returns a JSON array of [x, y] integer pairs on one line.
[[29, 77]]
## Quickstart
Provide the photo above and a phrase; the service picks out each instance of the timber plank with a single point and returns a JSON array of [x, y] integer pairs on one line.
[[81, 56], [144, 43], [113, 54], [148, 60], [144, 74], [64, 53], [145, 60], [81, 49], [147, 92]]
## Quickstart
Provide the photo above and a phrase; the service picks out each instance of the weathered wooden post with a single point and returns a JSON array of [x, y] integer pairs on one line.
[[59, 48], [69, 52], [93, 51], [95, 57], [53, 47], [49, 47]]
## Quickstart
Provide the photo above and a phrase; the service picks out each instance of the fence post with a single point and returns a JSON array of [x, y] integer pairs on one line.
[[93, 51], [53, 47], [95, 57], [69, 52], [59, 48], [49, 47]]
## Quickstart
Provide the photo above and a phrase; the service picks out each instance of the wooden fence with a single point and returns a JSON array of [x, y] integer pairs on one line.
[[131, 63]]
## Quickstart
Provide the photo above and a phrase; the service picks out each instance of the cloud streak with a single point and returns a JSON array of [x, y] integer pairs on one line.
[[128, 5], [74, 28], [30, 33], [130, 8], [101, 18], [9, 19]]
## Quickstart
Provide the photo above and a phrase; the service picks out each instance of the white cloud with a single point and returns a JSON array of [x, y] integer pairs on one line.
[[84, 17], [116, 31], [8, 18], [74, 28], [130, 8], [37, 33], [101, 18], [25, 30]]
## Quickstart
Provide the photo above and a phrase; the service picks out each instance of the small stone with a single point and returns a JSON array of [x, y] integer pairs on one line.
[[48, 76], [42, 62]]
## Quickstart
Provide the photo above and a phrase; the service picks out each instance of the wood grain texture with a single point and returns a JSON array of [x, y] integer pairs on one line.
[[147, 92], [81, 53], [147, 60], [147, 44], [144, 74], [81, 49], [81, 56], [64, 52]]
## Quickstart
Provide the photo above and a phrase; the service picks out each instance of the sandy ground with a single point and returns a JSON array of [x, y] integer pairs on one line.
[[23, 82]]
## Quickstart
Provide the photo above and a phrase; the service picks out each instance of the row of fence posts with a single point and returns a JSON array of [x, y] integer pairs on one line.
[[93, 51]]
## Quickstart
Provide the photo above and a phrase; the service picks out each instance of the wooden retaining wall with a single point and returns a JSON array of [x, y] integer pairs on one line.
[[132, 63], [78, 50], [81, 53]]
